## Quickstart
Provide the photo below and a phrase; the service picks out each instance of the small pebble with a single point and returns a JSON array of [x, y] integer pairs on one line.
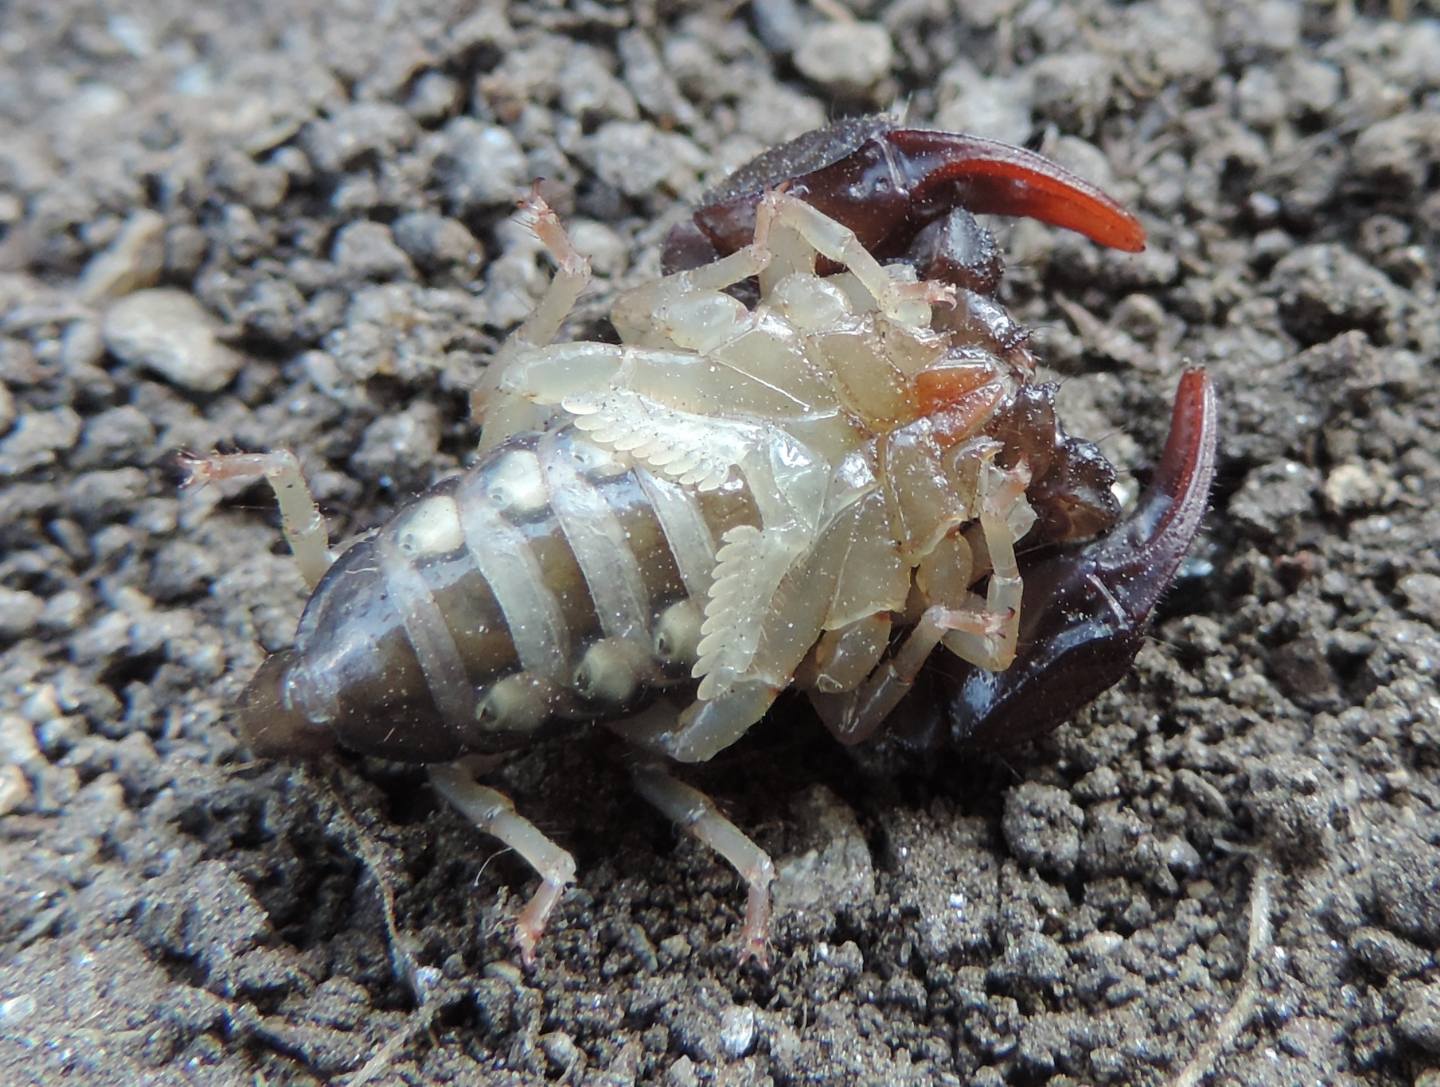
[[1324, 290], [638, 159], [479, 166], [1419, 1020], [367, 250], [436, 242], [376, 129], [434, 97], [846, 57], [1042, 827], [681, 1073], [1353, 487], [737, 1032], [1386, 953], [560, 1050], [19, 614], [397, 447], [1073, 89], [133, 261], [14, 789], [168, 331], [36, 440], [1422, 596]]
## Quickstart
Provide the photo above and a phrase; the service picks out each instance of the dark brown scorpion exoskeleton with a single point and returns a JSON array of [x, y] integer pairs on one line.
[[817, 490]]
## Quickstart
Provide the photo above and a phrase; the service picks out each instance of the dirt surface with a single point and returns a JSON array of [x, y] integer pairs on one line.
[[1229, 865]]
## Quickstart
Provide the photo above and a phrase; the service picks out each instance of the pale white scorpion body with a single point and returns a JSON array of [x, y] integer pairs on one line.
[[663, 534]]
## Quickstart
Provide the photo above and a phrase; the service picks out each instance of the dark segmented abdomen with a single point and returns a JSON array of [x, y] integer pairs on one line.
[[548, 583]]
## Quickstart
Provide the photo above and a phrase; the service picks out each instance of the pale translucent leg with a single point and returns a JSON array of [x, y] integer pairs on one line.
[[300, 517], [708, 727], [842, 659], [572, 275], [905, 302], [633, 312], [697, 814], [1004, 518], [493, 813], [572, 272], [855, 715], [1002, 600], [984, 634]]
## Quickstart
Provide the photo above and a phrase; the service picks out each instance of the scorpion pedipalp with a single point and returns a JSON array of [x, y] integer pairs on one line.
[[891, 185], [1085, 609]]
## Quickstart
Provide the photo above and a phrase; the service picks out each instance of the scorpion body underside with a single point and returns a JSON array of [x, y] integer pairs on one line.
[[815, 491]]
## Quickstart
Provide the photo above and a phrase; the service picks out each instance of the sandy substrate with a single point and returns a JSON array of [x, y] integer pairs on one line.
[[1229, 865]]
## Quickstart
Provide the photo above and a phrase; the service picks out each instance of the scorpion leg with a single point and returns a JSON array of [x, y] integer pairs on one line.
[[696, 813], [503, 413], [843, 658], [300, 517], [1084, 610], [572, 273], [833, 239], [635, 311], [493, 813], [984, 635]]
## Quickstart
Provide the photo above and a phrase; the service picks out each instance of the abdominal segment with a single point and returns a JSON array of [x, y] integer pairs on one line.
[[550, 584]]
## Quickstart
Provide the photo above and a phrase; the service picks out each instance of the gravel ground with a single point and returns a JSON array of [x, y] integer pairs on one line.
[[286, 224]]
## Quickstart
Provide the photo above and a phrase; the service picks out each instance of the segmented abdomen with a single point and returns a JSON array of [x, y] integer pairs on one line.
[[550, 583]]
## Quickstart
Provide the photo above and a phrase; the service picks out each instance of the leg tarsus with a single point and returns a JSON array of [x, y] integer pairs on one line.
[[572, 271], [493, 813], [696, 813], [300, 517], [572, 275]]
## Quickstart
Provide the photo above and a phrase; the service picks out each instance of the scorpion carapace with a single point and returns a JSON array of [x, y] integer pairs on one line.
[[817, 490]]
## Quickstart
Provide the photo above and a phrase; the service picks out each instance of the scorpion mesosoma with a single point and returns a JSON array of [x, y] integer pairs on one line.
[[814, 490]]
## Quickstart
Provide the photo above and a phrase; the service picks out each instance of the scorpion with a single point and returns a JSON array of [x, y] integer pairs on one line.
[[808, 462]]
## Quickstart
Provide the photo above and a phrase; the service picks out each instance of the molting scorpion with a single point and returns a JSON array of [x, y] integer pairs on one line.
[[817, 489]]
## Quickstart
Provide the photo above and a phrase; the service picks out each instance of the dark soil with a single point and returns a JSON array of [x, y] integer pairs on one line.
[[1229, 866]]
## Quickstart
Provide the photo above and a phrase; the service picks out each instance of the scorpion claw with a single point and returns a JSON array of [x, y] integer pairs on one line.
[[906, 193], [1085, 609]]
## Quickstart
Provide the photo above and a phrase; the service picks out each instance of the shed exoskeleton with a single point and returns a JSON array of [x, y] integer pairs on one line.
[[662, 534]]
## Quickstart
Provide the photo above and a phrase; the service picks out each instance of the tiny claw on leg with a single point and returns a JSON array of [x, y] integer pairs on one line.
[[300, 517], [1084, 610], [696, 813], [755, 934], [530, 925], [492, 812]]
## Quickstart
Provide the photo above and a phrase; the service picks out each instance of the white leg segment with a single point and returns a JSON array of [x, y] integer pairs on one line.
[[906, 302], [493, 813], [572, 275], [697, 814], [854, 716], [983, 633], [633, 314], [842, 659], [994, 648], [300, 518]]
